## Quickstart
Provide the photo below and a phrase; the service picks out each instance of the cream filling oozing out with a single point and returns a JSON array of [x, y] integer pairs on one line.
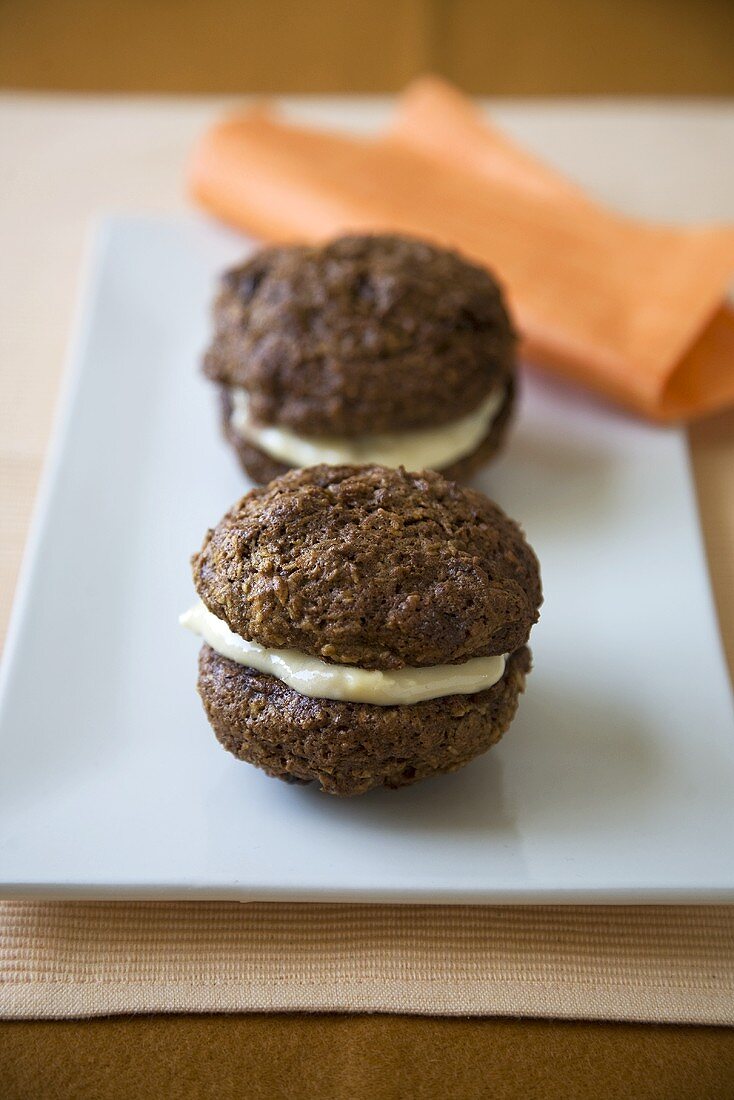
[[428, 448], [311, 676]]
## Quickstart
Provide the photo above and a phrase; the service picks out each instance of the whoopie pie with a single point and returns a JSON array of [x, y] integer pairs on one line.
[[363, 626], [367, 350]]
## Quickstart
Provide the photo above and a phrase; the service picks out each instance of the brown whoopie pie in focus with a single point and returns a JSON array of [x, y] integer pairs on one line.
[[371, 568]]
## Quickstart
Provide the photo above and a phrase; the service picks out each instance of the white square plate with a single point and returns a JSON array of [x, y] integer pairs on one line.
[[615, 783]]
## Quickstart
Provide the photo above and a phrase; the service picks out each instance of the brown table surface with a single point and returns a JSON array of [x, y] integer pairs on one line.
[[72, 158], [539, 47]]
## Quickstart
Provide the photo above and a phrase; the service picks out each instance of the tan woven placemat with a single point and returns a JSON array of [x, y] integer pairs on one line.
[[72, 959], [626, 963]]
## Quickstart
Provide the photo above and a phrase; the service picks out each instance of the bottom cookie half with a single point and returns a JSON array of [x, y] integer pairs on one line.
[[351, 747], [262, 468]]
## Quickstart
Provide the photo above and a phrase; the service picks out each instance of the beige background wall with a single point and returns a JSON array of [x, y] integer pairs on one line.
[[515, 47]]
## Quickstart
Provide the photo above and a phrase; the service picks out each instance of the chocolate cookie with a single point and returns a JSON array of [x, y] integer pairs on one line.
[[364, 338], [369, 576], [351, 747], [371, 567]]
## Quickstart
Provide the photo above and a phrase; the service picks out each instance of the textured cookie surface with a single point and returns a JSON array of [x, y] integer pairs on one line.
[[364, 334], [373, 567], [350, 747]]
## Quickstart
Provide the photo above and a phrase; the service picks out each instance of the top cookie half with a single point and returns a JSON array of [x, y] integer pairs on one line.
[[366, 334], [372, 567]]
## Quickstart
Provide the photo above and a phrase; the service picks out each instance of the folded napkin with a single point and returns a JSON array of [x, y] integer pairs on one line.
[[633, 311]]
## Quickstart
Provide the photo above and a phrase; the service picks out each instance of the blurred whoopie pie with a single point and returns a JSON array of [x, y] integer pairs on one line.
[[366, 350]]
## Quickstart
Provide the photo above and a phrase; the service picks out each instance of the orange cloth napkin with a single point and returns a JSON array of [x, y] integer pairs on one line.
[[633, 311]]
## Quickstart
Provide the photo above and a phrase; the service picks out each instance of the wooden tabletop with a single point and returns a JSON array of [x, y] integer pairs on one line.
[[561, 47], [70, 158]]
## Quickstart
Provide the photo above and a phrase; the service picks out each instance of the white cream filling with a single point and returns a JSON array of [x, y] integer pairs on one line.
[[428, 448], [311, 676]]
